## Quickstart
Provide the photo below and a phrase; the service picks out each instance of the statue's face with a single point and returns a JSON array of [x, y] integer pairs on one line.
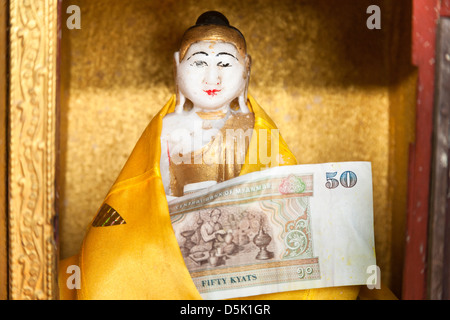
[[212, 74]]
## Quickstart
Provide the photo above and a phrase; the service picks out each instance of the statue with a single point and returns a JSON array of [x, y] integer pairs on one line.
[[130, 251]]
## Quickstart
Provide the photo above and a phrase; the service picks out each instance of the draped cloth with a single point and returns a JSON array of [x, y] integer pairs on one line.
[[140, 258]]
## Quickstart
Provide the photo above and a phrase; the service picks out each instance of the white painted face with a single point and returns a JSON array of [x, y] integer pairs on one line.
[[212, 74]]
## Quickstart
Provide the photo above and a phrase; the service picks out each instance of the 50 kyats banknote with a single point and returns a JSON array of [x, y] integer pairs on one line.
[[281, 229]]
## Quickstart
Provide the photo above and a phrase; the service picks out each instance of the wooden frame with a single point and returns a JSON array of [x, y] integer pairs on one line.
[[419, 250], [32, 246]]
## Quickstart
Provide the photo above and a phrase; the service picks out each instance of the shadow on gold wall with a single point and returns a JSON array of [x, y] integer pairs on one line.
[[337, 90]]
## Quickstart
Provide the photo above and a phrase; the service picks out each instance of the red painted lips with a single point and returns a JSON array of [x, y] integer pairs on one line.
[[212, 92]]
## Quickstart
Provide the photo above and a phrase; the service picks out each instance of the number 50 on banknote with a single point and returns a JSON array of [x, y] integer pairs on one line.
[[281, 229]]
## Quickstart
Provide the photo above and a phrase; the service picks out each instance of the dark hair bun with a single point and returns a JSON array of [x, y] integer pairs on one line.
[[212, 17]]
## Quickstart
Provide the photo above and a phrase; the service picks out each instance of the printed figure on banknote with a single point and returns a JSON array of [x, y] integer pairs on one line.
[[223, 237], [208, 233], [212, 204]]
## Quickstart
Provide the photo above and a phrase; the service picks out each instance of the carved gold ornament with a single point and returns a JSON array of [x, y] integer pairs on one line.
[[32, 149]]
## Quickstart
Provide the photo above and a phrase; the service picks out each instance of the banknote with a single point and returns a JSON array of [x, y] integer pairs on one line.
[[281, 229]]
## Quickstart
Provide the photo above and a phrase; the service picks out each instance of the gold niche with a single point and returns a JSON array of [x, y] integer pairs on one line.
[[337, 90]]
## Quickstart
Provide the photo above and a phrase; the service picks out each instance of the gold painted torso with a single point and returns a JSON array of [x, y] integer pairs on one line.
[[219, 160]]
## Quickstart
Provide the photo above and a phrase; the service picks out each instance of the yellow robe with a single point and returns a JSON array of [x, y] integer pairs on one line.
[[141, 259]]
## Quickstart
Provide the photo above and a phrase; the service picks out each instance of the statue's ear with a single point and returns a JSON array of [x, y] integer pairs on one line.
[[248, 63], [243, 95], [180, 97], [176, 57]]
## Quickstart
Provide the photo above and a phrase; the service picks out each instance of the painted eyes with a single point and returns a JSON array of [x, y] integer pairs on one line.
[[201, 64], [223, 65]]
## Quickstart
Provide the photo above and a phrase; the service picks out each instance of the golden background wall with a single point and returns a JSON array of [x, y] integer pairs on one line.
[[337, 90]]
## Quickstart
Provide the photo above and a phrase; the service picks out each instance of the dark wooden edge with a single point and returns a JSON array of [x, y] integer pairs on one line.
[[438, 247], [3, 149], [57, 139]]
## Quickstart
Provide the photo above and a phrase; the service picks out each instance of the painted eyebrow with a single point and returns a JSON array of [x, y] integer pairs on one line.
[[226, 53], [200, 52]]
